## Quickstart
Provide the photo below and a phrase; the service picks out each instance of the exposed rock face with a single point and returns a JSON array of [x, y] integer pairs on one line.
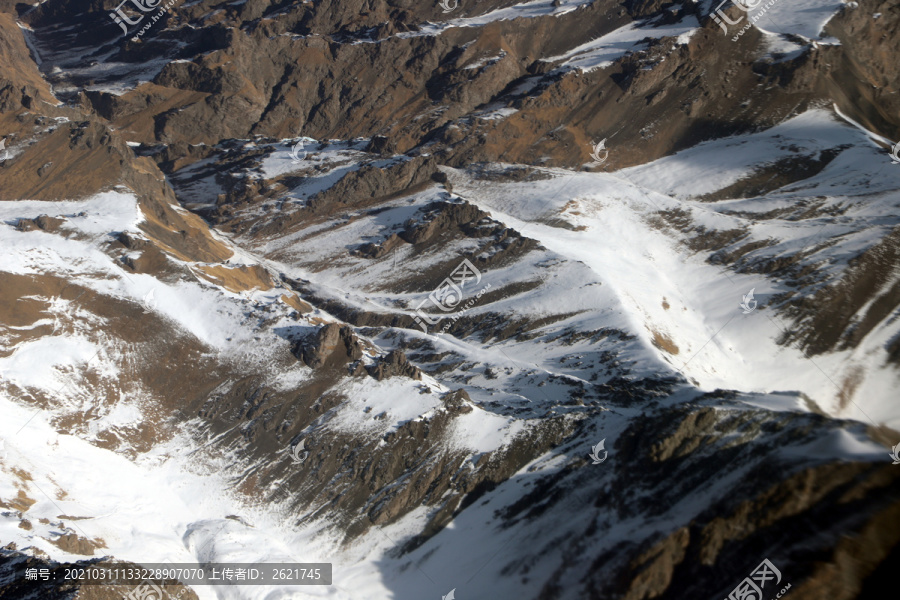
[[253, 82], [440, 218], [458, 402], [333, 345], [42, 222], [394, 364], [23, 85], [843, 315], [380, 144], [359, 188]]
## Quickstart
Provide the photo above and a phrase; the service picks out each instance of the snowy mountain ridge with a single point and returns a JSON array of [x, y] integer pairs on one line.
[[220, 242]]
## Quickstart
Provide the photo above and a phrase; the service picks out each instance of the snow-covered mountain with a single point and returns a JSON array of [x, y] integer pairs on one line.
[[561, 299]]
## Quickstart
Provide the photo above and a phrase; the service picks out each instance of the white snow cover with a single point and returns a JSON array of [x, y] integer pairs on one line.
[[719, 346], [171, 504], [612, 269], [536, 8], [204, 310], [714, 165], [605, 50], [151, 510], [805, 18], [282, 161]]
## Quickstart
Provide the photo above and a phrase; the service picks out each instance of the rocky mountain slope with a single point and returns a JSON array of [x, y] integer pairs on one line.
[[387, 234]]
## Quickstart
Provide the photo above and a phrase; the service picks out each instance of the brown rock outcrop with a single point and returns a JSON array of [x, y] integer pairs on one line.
[[395, 364], [333, 345]]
